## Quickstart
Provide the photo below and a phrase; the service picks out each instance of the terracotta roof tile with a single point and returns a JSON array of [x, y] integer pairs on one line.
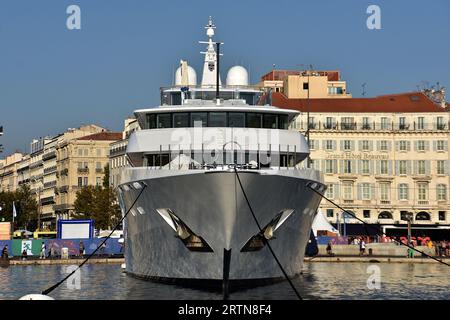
[[103, 136], [403, 102]]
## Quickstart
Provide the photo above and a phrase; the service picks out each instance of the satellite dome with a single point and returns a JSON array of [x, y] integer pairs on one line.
[[237, 76], [192, 77]]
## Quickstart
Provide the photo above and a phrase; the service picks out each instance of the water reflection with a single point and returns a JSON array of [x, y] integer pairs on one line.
[[318, 281]]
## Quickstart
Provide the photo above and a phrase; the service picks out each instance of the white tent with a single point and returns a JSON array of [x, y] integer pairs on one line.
[[321, 223]]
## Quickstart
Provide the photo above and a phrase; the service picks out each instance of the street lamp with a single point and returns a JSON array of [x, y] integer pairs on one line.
[[308, 159], [409, 218]]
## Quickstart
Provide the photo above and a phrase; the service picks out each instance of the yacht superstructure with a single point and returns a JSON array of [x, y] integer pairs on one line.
[[192, 221]]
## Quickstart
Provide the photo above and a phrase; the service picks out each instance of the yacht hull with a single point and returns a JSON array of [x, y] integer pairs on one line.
[[212, 205]]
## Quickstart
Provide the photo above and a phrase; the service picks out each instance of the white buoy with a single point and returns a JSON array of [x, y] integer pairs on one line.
[[36, 297], [123, 266]]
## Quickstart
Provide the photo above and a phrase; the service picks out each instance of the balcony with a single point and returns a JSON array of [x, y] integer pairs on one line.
[[47, 200], [63, 189], [61, 207], [98, 170], [48, 185], [64, 172], [348, 126], [49, 155], [83, 170], [50, 170]]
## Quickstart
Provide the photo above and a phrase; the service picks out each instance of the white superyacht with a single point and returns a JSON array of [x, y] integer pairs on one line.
[[195, 160]]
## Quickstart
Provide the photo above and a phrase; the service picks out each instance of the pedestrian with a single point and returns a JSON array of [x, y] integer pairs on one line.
[[444, 248], [329, 249], [24, 254], [5, 254], [51, 252], [81, 248], [411, 250], [362, 247], [42, 255]]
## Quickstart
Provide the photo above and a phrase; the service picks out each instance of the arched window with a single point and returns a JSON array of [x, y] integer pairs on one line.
[[385, 215], [423, 216]]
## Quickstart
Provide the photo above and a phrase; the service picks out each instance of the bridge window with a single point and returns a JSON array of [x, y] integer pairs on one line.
[[270, 121], [181, 120], [236, 120], [283, 121], [164, 120], [254, 120], [217, 119], [199, 119]]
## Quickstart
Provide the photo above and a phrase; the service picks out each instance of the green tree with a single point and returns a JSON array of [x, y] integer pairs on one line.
[[26, 207], [98, 203], [85, 202]]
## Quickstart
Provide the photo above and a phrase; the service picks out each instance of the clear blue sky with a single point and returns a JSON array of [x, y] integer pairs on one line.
[[52, 78]]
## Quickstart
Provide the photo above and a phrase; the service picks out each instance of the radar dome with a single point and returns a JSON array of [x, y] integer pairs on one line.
[[191, 79], [237, 76]]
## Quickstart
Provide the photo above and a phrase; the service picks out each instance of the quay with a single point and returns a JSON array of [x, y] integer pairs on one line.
[[76, 261], [373, 259]]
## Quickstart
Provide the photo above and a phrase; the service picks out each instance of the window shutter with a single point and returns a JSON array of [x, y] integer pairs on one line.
[[427, 145], [434, 145], [360, 145], [372, 191], [335, 168], [397, 145], [371, 167], [398, 192], [334, 144], [378, 145], [416, 145], [415, 167], [341, 145], [336, 191], [378, 167], [408, 145], [389, 145], [359, 189], [389, 167], [397, 167], [370, 145], [446, 145], [427, 167], [353, 166], [341, 166], [352, 145]]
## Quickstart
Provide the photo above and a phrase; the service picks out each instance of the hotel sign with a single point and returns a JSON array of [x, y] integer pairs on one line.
[[357, 156]]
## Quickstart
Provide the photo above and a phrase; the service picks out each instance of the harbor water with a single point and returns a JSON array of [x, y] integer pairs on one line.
[[320, 280]]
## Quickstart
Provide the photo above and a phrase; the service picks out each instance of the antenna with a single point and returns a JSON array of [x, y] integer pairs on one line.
[[363, 89]]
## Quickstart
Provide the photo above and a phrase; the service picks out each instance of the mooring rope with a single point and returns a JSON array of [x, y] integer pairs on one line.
[[378, 230], [47, 291], [266, 242]]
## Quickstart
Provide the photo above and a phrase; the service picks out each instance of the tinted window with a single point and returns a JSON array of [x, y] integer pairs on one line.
[[270, 121], [283, 121], [197, 117], [217, 119], [181, 120], [164, 120], [254, 120], [236, 120], [176, 98], [151, 121]]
